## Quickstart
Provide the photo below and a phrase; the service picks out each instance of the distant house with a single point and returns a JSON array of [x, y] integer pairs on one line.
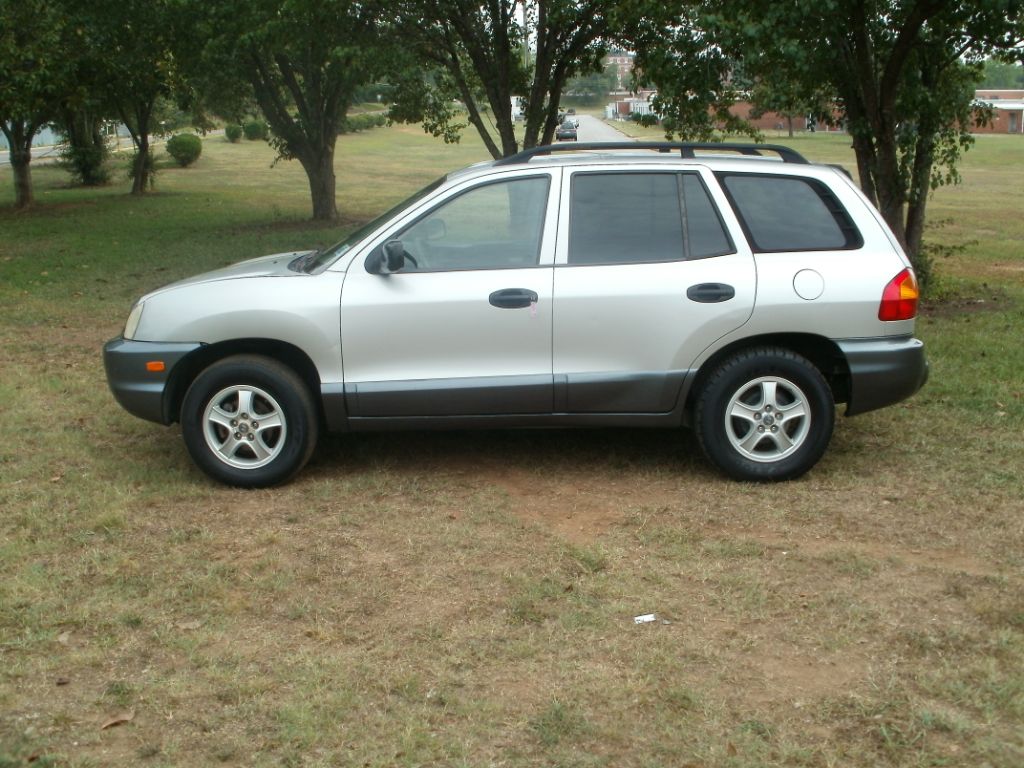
[[1007, 110]]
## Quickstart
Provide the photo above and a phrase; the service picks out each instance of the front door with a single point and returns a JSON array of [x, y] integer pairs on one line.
[[464, 327]]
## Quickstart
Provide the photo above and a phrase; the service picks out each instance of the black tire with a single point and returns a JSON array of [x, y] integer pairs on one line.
[[783, 414], [255, 455]]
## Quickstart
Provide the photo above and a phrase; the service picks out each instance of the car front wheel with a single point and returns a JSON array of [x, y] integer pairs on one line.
[[249, 421], [765, 414]]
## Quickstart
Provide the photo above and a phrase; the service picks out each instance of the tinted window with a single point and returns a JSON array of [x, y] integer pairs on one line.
[[705, 234], [618, 218], [492, 226], [781, 213]]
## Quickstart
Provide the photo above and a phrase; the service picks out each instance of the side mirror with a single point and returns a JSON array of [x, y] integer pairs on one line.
[[390, 258]]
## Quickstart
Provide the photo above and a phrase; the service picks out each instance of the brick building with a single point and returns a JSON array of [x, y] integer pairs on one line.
[[1007, 108]]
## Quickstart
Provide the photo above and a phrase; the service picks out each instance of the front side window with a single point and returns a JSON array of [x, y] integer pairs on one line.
[[493, 226], [623, 218], [785, 213]]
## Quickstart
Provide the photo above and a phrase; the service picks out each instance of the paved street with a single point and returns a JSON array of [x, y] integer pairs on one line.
[[594, 129]]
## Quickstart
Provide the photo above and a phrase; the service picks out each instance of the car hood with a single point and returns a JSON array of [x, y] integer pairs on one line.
[[275, 265]]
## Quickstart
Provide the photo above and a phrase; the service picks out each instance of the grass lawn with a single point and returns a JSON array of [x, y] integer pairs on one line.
[[467, 599]]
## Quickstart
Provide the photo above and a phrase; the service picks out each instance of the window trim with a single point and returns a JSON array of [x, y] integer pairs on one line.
[[854, 240], [680, 201]]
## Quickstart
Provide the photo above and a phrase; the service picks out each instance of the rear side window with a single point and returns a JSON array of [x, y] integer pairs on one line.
[[784, 213], [623, 218]]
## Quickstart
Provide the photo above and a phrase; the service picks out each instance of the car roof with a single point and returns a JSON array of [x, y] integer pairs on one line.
[[747, 158]]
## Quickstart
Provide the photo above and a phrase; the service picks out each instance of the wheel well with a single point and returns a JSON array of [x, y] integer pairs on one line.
[[188, 368], [823, 353]]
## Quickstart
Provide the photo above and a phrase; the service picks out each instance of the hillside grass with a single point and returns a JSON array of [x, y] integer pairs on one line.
[[467, 599]]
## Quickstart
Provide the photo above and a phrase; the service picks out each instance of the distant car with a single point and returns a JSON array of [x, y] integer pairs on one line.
[[566, 131], [611, 284]]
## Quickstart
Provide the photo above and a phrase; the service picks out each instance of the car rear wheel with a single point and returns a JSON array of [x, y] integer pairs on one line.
[[765, 414], [249, 421]]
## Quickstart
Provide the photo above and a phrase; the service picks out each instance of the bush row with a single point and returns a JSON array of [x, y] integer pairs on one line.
[[363, 122]]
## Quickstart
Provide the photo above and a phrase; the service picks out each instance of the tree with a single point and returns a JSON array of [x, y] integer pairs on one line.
[[31, 75], [902, 72], [303, 61], [84, 106], [1002, 75], [678, 54], [135, 43], [593, 87], [493, 51]]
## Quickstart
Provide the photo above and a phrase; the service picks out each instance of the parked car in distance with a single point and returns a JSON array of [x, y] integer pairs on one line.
[[633, 284], [566, 131]]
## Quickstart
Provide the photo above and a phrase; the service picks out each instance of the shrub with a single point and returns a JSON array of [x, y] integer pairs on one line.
[[185, 148], [363, 122], [255, 130], [233, 132], [87, 165], [647, 120]]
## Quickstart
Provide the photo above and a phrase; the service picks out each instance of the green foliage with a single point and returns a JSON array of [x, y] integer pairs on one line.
[[695, 82], [256, 130], [33, 73], [429, 98], [185, 148], [479, 50], [86, 163], [592, 88], [363, 122], [233, 132], [374, 93], [1002, 75], [646, 120]]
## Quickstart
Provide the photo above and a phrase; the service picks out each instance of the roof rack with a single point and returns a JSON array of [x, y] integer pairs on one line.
[[685, 149]]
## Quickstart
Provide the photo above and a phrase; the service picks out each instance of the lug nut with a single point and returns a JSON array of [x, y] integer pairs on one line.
[[251, 437], [757, 416], [245, 415], [234, 422], [255, 425], [760, 429], [775, 429], [238, 435]]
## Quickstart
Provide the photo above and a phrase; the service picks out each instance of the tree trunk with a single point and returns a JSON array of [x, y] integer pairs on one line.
[[86, 151], [20, 159], [141, 180], [320, 170], [789, 121], [19, 139]]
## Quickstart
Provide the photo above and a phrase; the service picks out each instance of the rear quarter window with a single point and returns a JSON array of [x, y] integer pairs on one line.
[[787, 213]]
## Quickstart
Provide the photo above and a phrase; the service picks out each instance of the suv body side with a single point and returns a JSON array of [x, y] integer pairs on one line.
[[559, 315]]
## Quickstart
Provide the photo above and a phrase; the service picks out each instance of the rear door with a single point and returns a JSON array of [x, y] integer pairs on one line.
[[646, 278]]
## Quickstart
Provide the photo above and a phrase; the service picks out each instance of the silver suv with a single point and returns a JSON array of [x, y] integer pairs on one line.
[[640, 284]]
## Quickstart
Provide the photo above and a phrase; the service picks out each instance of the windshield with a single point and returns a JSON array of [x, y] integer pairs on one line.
[[315, 261]]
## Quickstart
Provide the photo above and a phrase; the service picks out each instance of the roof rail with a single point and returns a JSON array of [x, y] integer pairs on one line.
[[685, 149]]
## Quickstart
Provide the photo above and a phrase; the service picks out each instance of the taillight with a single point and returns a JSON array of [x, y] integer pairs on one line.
[[899, 299]]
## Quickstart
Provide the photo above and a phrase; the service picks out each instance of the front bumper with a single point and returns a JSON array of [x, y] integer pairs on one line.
[[883, 371], [141, 391]]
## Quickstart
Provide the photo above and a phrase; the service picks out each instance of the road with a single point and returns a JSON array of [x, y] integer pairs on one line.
[[594, 129]]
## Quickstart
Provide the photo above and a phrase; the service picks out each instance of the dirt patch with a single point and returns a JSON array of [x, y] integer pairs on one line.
[[987, 300]]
